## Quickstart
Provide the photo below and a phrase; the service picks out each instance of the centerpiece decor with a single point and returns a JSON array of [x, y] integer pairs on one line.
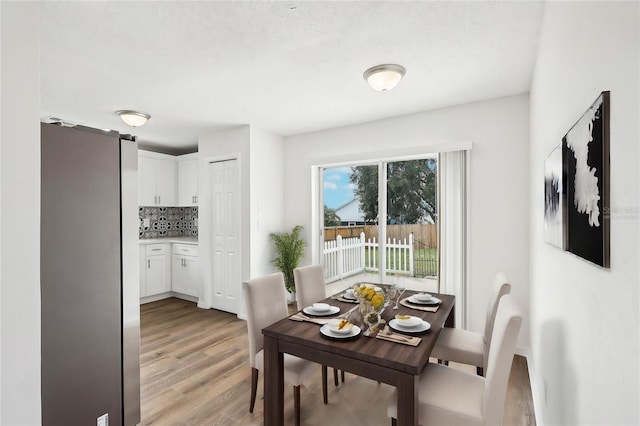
[[370, 304]]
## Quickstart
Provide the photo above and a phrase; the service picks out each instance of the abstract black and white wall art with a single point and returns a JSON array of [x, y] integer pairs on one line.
[[554, 201], [585, 155]]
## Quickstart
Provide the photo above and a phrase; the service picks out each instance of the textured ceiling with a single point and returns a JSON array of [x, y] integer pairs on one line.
[[287, 67]]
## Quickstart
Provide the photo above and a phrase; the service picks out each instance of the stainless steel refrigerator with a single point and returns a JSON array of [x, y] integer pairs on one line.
[[89, 278]]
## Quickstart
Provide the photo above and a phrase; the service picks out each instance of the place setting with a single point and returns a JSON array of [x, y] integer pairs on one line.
[[422, 301], [340, 329], [318, 313], [385, 332], [348, 296], [321, 310], [409, 324]]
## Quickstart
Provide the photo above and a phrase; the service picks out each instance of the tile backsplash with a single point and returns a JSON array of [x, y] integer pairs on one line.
[[168, 222]]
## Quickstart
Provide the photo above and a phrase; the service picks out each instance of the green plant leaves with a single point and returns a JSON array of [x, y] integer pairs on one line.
[[289, 248]]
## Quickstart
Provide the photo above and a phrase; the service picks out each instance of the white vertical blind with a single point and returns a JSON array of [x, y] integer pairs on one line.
[[454, 225]]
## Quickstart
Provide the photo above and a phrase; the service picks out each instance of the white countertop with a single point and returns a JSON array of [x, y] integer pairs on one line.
[[180, 240]]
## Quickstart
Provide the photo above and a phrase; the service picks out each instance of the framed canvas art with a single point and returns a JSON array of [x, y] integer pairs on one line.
[[585, 156], [554, 200]]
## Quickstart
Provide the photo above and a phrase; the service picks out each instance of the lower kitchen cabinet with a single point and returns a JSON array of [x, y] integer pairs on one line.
[[169, 268], [185, 275], [155, 272]]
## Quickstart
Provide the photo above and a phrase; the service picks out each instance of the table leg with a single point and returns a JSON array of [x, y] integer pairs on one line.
[[451, 319], [407, 400], [273, 383]]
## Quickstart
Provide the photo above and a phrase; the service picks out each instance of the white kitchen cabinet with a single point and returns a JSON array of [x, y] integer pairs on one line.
[[157, 179], [147, 181], [156, 278], [188, 183], [185, 273]]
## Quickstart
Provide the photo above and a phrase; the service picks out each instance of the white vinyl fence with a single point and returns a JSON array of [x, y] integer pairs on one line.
[[344, 257]]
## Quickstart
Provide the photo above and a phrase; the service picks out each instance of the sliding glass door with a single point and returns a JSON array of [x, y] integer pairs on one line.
[[412, 221], [379, 223], [349, 223]]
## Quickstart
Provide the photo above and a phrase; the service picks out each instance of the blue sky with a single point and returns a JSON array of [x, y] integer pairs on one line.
[[337, 188]]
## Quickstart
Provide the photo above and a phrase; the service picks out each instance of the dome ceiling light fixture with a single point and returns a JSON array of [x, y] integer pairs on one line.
[[384, 77], [133, 118]]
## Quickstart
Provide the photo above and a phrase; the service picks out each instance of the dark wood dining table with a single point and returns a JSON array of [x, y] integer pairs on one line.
[[393, 363]]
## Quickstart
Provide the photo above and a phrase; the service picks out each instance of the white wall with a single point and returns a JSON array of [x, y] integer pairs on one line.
[[584, 319], [260, 155], [267, 159], [20, 215], [499, 181]]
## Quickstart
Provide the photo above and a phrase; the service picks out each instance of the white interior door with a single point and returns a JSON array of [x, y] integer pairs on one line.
[[225, 235]]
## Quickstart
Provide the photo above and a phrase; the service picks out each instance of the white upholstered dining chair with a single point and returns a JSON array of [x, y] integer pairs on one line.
[[451, 397], [310, 288], [266, 303], [309, 281], [469, 347]]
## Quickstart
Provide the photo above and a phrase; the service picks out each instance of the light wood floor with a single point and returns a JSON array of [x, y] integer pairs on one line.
[[195, 371]]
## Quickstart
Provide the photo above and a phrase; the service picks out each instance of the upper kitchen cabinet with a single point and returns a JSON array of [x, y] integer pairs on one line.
[[188, 180], [157, 179]]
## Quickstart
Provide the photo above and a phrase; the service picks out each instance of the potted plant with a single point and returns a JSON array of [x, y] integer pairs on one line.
[[289, 249]]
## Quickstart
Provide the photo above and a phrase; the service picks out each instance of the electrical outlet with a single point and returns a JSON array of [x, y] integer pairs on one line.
[[103, 420], [145, 223]]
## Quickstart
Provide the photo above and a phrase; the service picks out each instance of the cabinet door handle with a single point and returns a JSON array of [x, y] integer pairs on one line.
[[156, 249], [196, 198], [158, 199], [149, 263]]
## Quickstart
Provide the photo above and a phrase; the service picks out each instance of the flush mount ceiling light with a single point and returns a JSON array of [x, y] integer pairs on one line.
[[133, 118], [384, 77]]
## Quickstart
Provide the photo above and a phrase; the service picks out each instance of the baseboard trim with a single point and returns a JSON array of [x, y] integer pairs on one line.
[[202, 305], [155, 297], [533, 381], [186, 297]]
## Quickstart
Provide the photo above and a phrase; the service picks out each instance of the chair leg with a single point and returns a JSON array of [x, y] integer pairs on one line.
[[296, 403], [335, 377], [254, 388], [394, 422], [480, 371], [342, 375], [324, 384]]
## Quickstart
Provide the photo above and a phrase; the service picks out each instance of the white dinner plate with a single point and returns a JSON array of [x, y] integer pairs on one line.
[[425, 326], [310, 311], [355, 330], [432, 301]]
